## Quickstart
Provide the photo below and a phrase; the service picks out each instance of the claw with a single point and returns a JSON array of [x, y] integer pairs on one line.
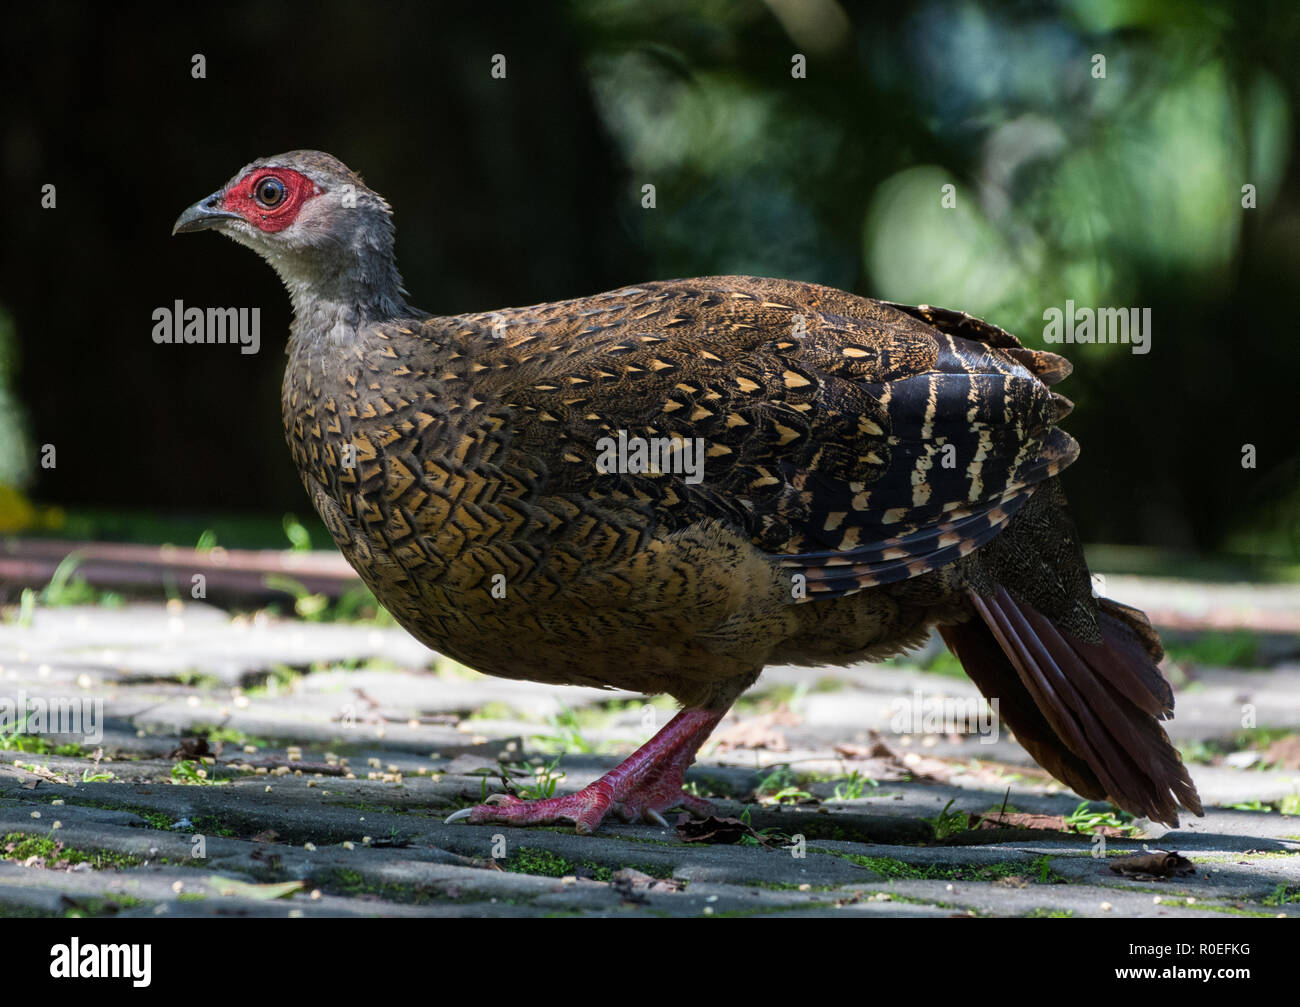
[[458, 816], [639, 788]]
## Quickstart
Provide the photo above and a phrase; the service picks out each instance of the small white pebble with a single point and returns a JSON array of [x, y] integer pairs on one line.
[[708, 910], [947, 888], [315, 893], [1106, 907], [1156, 900], [805, 888], [241, 702], [268, 788], [309, 847], [711, 898], [250, 749], [36, 814], [177, 886], [1191, 901], [295, 914], [365, 840], [57, 825], [348, 844], [373, 763], [57, 801]]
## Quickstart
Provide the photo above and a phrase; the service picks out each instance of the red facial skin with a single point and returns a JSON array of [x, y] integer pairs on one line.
[[241, 198]]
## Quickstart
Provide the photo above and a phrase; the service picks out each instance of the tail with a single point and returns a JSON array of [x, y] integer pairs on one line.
[[1083, 695]]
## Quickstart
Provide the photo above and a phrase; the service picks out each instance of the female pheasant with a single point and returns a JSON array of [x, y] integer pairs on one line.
[[830, 477]]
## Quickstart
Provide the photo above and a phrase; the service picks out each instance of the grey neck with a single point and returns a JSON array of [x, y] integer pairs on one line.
[[333, 302]]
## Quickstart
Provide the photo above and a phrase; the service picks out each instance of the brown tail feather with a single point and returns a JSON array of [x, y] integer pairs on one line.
[[1085, 711], [980, 654]]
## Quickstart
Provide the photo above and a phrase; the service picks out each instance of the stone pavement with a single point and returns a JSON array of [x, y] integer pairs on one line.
[[334, 751]]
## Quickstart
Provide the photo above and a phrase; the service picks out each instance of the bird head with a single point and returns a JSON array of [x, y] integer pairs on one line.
[[315, 221]]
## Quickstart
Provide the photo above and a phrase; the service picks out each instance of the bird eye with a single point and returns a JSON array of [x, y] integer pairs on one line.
[[269, 191]]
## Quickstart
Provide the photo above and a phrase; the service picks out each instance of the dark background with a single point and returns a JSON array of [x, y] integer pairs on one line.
[[1119, 192]]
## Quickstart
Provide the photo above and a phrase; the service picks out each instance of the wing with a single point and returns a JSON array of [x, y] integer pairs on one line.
[[861, 442]]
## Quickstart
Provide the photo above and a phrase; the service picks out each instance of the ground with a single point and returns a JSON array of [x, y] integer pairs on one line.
[[259, 765]]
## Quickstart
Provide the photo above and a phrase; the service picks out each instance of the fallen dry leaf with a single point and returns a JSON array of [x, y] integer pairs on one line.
[[723, 831], [1155, 866], [191, 748], [1018, 820], [242, 889], [633, 885], [758, 732], [876, 750], [1046, 823], [1285, 752]]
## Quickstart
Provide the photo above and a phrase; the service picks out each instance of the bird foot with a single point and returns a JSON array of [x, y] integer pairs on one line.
[[646, 784], [587, 808]]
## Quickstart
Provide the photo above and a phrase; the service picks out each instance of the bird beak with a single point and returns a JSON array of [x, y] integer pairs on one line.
[[202, 215]]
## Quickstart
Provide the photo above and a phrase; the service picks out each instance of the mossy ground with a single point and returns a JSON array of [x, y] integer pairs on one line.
[[53, 853]]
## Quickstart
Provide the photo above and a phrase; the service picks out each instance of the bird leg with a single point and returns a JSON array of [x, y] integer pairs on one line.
[[647, 782]]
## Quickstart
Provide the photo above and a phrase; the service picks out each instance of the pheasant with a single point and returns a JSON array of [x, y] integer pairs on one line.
[[666, 487]]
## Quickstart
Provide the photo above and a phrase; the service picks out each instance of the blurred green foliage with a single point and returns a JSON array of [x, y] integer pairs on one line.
[[1122, 190], [1117, 191]]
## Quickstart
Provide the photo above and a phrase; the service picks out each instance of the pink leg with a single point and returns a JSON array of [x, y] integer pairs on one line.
[[647, 782]]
